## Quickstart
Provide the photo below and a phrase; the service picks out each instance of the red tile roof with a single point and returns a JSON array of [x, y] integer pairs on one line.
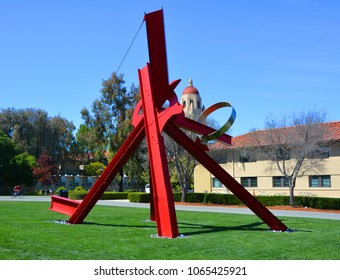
[[333, 129], [331, 133]]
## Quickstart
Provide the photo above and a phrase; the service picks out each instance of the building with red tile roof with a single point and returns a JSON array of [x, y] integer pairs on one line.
[[260, 175], [331, 133]]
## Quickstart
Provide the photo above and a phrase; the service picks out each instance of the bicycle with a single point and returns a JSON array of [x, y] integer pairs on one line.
[[17, 194]]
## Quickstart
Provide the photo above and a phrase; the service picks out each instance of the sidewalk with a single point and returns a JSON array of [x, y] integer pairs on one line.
[[196, 208]]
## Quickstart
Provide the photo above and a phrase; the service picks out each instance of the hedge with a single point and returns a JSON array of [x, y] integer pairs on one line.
[[114, 195], [191, 197], [229, 199], [274, 200], [79, 195], [318, 202], [145, 197], [224, 199], [139, 197]]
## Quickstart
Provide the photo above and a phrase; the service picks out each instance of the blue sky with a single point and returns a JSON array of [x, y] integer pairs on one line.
[[265, 57]]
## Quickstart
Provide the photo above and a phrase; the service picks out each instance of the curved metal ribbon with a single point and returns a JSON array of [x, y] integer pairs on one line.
[[212, 136]]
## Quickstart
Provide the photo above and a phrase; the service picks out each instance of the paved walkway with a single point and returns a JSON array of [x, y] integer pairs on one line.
[[215, 209]]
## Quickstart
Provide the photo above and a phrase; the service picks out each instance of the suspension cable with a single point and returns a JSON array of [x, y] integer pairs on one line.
[[134, 38]]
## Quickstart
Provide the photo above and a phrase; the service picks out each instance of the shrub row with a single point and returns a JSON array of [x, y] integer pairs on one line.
[[229, 199], [79, 195], [224, 199], [304, 201], [318, 202], [191, 198], [114, 195], [145, 197], [274, 200], [139, 197]]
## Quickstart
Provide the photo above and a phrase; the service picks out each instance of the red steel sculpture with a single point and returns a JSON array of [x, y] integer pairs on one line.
[[149, 119]]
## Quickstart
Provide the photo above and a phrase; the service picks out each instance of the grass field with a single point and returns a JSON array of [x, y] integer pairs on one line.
[[26, 232]]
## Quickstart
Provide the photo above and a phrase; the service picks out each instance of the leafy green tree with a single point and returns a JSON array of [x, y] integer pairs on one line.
[[110, 120], [33, 131], [15, 168], [7, 154], [87, 146], [23, 169], [94, 168], [60, 139]]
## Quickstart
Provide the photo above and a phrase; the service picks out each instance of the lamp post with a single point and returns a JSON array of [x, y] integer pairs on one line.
[[82, 169], [125, 180]]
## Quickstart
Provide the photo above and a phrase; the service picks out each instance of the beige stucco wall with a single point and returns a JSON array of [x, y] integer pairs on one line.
[[264, 171], [202, 180]]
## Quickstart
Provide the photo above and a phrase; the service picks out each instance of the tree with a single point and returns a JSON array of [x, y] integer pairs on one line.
[[181, 163], [94, 168], [23, 168], [87, 146], [15, 167], [111, 117], [7, 154], [33, 131], [60, 140], [45, 170], [294, 145]]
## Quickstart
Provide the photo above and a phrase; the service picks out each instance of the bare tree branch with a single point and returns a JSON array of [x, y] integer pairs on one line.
[[295, 147]]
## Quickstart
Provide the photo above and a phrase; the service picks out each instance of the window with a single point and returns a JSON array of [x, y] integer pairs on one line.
[[249, 182], [217, 183], [184, 103], [280, 181], [321, 181]]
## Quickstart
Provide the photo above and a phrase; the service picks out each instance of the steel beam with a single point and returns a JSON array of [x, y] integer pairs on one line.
[[162, 192], [157, 56], [237, 189], [110, 172]]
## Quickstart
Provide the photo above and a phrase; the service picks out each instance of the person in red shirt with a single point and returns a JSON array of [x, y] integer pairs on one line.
[[17, 190]]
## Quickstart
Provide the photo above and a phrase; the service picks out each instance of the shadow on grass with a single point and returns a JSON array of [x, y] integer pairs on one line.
[[205, 229], [119, 225], [189, 229]]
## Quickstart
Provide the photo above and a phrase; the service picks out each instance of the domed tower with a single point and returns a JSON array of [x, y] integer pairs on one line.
[[192, 101]]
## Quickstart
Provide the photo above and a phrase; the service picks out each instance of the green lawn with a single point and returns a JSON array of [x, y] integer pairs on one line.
[[123, 233]]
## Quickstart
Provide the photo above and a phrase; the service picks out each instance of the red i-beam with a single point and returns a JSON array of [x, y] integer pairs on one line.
[[150, 118]]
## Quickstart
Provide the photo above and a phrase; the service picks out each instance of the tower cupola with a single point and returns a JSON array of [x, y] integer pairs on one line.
[[191, 101]]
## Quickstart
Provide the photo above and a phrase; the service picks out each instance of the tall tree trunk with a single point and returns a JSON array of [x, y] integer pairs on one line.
[[291, 191], [184, 194]]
